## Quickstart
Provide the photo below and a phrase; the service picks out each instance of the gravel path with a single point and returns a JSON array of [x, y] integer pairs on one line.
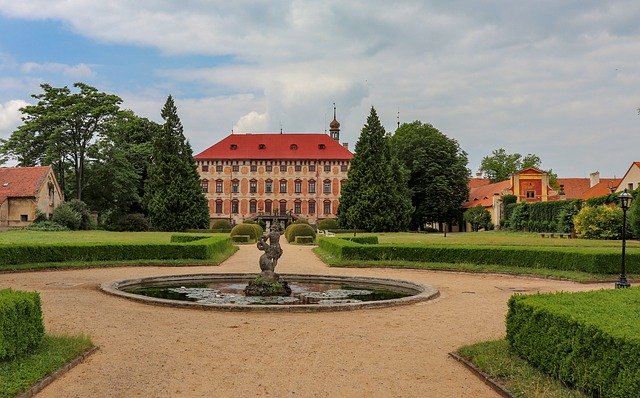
[[152, 351]]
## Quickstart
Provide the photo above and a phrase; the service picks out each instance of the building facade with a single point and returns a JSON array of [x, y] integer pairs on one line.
[[269, 176], [23, 190]]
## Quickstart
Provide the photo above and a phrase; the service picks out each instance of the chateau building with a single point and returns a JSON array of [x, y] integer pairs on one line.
[[274, 176]]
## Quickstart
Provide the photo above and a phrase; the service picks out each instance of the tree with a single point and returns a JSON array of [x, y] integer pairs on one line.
[[478, 217], [634, 214], [438, 174], [375, 196], [60, 130], [501, 165], [173, 195]]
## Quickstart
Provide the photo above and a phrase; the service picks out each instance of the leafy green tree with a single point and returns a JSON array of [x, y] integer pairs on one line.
[[173, 194], [478, 217], [599, 222], [500, 165], [634, 214], [438, 174], [60, 130], [375, 196]]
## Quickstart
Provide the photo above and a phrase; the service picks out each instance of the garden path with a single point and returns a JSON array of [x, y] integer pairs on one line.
[[152, 351]]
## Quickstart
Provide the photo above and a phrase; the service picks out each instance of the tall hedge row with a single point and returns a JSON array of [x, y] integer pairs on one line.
[[65, 252], [588, 340], [552, 216], [592, 260], [21, 326]]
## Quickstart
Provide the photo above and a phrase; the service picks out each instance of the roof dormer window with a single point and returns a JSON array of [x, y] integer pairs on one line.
[[321, 146], [293, 147], [261, 146], [233, 147]]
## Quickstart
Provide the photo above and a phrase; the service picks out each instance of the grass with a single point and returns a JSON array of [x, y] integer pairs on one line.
[[496, 238], [577, 276], [93, 236], [514, 373], [20, 374]]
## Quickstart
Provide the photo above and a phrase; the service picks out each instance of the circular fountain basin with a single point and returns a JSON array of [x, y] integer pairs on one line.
[[311, 293]]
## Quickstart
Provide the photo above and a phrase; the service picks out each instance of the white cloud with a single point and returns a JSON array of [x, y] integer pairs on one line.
[[78, 71], [252, 121], [10, 116]]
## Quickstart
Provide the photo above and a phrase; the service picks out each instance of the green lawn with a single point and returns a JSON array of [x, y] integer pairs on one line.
[[44, 237], [496, 238], [20, 374]]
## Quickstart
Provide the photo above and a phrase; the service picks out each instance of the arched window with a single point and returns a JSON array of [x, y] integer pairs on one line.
[[253, 186], [253, 206], [312, 186], [326, 186], [297, 186], [283, 186]]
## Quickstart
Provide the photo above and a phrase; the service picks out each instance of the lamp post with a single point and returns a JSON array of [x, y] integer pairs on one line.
[[625, 199]]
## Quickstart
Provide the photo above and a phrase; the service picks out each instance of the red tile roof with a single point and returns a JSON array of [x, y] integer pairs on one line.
[[602, 188], [484, 194], [20, 182], [475, 182], [276, 146]]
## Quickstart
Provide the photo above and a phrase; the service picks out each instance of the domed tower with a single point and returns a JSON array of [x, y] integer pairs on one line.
[[334, 126]]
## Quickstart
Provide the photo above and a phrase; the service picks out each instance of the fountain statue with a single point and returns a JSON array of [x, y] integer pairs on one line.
[[268, 283]]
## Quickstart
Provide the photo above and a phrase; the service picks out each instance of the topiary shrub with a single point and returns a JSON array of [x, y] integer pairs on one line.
[[221, 226], [301, 220], [245, 229], [256, 226], [21, 325], [328, 224], [65, 215], [301, 229]]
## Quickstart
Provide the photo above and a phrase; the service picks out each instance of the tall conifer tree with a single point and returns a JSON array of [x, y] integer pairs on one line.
[[173, 194], [375, 196]]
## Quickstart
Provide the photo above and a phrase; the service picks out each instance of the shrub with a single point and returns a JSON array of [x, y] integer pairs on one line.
[[40, 216], [245, 229], [85, 216], [304, 240], [21, 326], [67, 216], [519, 217], [301, 220], [478, 217], [47, 226], [135, 222], [221, 226], [598, 222], [256, 226], [262, 224], [587, 340], [633, 216], [301, 229], [328, 224]]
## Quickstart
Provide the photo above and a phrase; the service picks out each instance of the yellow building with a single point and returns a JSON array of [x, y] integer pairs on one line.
[[25, 189]]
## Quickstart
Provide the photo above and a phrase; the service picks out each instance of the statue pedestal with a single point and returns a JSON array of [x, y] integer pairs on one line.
[[268, 283]]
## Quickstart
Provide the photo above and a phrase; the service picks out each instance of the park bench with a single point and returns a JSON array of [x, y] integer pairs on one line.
[[328, 234], [555, 234]]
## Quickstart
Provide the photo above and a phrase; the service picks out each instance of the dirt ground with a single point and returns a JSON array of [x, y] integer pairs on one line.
[[151, 351]]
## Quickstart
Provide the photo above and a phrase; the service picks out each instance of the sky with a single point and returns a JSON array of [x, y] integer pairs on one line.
[[559, 79]]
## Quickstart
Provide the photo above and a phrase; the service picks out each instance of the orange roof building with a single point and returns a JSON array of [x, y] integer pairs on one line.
[[25, 189]]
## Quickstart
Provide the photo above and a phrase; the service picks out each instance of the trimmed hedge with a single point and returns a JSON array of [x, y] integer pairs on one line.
[[305, 240], [592, 260], [202, 248], [187, 238], [363, 240], [328, 224], [588, 340], [21, 326], [301, 229]]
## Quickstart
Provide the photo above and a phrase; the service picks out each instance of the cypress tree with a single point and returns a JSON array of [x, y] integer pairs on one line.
[[375, 196], [173, 194]]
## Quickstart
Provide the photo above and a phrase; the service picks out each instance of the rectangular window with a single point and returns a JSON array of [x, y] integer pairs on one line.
[[327, 167], [269, 168], [283, 168], [205, 186], [205, 168], [234, 207], [298, 167], [326, 186], [267, 206], [531, 194], [235, 168], [254, 168], [24, 217], [268, 186], [253, 207], [312, 186], [219, 168], [298, 186], [312, 167], [297, 208], [283, 207], [630, 186], [327, 207], [283, 186], [312, 207], [218, 207], [253, 186], [235, 184], [343, 168], [218, 186]]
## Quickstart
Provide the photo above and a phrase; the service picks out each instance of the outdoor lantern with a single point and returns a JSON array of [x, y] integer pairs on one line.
[[625, 199]]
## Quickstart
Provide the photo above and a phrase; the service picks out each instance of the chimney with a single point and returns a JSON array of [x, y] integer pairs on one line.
[[479, 174], [346, 145], [595, 179]]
